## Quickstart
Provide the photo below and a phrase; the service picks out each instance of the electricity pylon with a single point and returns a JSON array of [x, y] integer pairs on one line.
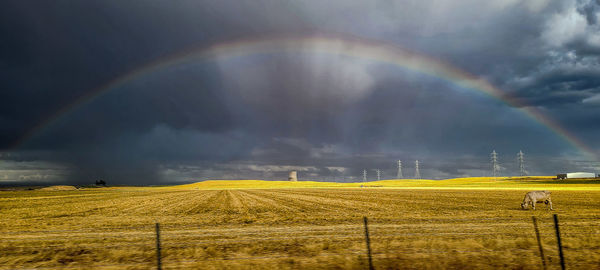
[[495, 166], [417, 172], [399, 175], [521, 158]]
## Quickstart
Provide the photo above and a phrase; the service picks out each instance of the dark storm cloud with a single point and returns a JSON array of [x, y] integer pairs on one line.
[[569, 73], [259, 116], [138, 127], [52, 53], [559, 86], [590, 10]]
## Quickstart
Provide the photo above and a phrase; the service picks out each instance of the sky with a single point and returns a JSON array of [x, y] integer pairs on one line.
[[112, 90]]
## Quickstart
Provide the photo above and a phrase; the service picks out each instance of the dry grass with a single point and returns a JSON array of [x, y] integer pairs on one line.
[[434, 228]]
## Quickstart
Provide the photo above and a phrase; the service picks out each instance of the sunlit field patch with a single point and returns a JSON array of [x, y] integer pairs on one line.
[[521, 183]]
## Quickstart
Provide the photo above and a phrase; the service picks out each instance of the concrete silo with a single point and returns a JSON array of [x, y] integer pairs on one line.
[[293, 176]]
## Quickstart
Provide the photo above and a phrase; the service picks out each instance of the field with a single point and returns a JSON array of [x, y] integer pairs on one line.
[[471, 223]]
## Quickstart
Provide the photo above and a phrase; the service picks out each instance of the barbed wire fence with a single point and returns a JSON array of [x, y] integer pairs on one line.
[[160, 240]]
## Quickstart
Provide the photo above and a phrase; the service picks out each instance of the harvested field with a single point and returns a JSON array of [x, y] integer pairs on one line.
[[293, 228]]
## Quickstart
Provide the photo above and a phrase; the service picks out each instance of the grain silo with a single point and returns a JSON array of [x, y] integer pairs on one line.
[[293, 176]]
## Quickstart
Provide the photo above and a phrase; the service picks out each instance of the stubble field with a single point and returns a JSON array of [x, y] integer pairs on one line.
[[291, 228]]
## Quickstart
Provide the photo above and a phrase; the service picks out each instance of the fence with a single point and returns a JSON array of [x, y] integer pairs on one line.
[[376, 243]]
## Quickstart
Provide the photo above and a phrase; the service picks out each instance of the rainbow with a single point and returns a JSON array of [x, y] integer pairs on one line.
[[334, 44]]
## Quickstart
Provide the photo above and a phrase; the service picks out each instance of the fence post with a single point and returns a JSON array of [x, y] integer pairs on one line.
[[537, 235], [560, 251], [158, 263], [368, 243]]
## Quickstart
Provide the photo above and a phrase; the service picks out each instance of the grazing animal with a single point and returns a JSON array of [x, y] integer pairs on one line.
[[536, 196]]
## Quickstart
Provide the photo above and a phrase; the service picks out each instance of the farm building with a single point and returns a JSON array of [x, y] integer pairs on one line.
[[579, 175]]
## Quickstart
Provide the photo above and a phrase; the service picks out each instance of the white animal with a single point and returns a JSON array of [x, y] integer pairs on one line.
[[533, 197]]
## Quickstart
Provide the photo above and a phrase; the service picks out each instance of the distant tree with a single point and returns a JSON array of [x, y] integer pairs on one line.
[[100, 183]]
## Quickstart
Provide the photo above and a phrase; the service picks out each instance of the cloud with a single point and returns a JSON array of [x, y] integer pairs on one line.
[[297, 81], [575, 27], [590, 9], [31, 172], [563, 27], [593, 100]]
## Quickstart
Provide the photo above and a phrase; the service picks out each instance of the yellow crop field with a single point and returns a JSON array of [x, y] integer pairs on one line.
[[522, 183], [473, 223]]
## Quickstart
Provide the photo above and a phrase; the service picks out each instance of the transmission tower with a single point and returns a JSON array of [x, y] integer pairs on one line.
[[364, 175], [495, 166], [399, 176], [417, 173], [378, 174], [521, 158]]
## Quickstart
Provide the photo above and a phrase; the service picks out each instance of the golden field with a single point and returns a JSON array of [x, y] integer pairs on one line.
[[473, 223]]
